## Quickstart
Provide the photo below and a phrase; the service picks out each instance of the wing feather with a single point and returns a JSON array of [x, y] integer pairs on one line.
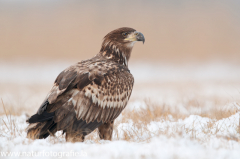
[[66, 121], [89, 114], [90, 92], [93, 115], [109, 98], [110, 114]]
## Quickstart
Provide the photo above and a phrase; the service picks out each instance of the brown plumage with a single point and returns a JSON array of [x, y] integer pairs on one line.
[[90, 94]]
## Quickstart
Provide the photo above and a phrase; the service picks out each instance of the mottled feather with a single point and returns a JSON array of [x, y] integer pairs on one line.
[[89, 93]]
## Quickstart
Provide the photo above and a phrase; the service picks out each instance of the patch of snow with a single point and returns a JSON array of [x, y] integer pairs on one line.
[[200, 141]]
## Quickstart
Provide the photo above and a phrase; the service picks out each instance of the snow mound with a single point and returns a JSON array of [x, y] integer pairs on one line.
[[193, 137]]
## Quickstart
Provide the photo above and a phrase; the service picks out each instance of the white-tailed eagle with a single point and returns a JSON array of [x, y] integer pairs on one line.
[[90, 94]]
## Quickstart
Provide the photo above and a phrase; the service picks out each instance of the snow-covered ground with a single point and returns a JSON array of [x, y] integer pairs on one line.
[[188, 138], [202, 104]]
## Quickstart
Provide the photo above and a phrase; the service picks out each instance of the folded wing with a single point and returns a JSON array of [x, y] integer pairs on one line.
[[85, 96]]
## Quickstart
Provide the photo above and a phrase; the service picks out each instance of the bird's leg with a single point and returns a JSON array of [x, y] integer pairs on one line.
[[105, 130]]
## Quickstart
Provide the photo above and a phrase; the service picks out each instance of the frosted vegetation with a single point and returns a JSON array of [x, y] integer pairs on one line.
[[188, 113]]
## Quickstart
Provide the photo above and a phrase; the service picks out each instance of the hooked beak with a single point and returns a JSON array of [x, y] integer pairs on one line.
[[136, 36], [140, 37]]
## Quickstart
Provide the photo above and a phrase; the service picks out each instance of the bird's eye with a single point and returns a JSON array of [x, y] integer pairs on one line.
[[125, 34]]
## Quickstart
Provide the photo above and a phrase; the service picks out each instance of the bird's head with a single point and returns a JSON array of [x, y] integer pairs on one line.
[[119, 43], [124, 36]]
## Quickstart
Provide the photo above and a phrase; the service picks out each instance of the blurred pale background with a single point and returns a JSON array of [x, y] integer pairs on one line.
[[175, 30]]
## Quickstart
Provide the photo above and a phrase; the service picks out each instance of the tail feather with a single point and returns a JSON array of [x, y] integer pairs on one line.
[[45, 124], [33, 130], [40, 117], [41, 130]]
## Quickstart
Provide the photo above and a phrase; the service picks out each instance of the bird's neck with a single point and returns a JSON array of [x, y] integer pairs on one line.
[[119, 54]]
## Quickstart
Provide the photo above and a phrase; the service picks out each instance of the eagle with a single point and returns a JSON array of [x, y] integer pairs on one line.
[[90, 94]]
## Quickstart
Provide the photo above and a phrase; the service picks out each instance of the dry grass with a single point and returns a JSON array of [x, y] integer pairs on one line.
[[139, 119], [154, 113], [9, 124]]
